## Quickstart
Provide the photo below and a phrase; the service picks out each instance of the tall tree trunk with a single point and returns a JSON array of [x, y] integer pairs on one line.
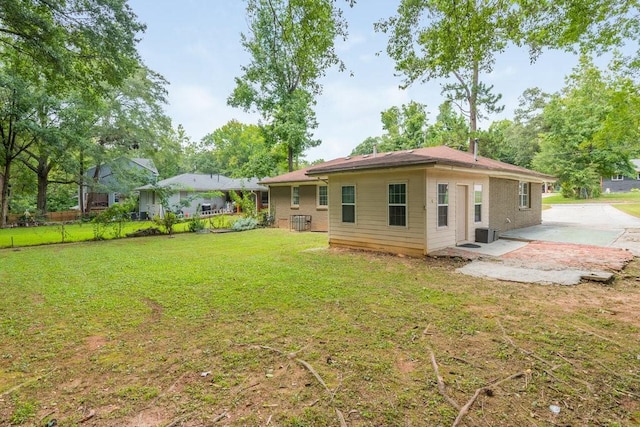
[[473, 108], [290, 157], [4, 206], [81, 184], [41, 199], [43, 169], [92, 187]]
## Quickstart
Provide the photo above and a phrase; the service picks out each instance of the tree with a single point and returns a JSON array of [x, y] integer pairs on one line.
[[291, 43], [128, 118], [404, 127], [591, 129], [439, 39], [458, 41], [72, 43], [450, 129], [239, 150], [18, 122]]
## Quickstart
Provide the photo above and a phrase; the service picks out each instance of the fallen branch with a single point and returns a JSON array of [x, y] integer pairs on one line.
[[343, 422], [315, 374], [31, 381], [219, 417], [598, 336], [467, 406], [87, 417], [292, 355], [441, 386], [527, 352]]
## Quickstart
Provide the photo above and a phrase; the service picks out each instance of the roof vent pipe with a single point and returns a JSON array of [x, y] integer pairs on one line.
[[375, 150], [475, 149]]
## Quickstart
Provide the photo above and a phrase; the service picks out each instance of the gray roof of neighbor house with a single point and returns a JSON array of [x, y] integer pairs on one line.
[[207, 182], [441, 155], [143, 163], [636, 164], [146, 163]]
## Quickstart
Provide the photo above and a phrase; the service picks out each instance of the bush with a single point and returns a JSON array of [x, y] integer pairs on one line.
[[195, 224], [242, 224], [167, 222]]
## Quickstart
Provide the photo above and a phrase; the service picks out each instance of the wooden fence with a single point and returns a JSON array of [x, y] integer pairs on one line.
[[49, 217]]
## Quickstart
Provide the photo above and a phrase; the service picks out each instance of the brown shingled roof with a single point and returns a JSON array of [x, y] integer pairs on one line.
[[299, 175], [440, 155]]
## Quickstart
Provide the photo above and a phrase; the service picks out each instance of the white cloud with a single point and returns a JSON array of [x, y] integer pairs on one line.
[[200, 111]]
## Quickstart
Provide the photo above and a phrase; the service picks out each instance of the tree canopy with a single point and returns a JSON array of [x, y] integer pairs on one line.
[[71, 41], [291, 43], [456, 42]]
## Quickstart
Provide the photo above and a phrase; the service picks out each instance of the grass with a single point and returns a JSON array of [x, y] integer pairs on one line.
[[80, 232], [626, 202], [630, 197], [184, 330]]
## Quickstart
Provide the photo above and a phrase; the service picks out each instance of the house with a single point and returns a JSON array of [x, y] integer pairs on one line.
[[106, 183], [202, 193], [417, 201], [619, 183], [298, 201]]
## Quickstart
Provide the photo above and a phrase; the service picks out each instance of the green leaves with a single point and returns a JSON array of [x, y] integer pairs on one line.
[[591, 129], [291, 43]]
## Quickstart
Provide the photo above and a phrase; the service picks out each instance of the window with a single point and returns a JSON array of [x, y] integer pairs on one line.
[[618, 177], [264, 198], [523, 195], [398, 204], [295, 196], [477, 202], [349, 203], [638, 176], [443, 205], [323, 196]]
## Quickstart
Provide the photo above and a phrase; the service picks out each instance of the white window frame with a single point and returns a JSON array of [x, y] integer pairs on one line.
[[618, 177], [343, 204], [524, 195], [391, 204], [442, 205], [318, 203], [295, 194], [477, 204]]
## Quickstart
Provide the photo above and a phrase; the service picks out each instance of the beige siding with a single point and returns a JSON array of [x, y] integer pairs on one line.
[[505, 214], [281, 209], [442, 237], [371, 229]]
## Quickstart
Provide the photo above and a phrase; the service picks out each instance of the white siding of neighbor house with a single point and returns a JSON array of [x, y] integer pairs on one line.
[[371, 229], [442, 237]]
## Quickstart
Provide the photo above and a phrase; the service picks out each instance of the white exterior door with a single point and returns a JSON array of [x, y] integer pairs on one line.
[[461, 213]]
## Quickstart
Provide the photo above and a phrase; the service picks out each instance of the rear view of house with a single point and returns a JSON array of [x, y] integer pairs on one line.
[[298, 201], [418, 201]]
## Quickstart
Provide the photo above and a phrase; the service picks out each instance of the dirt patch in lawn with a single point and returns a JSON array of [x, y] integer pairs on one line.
[[539, 254]]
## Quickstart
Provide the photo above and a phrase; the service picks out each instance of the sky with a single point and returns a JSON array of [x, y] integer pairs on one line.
[[195, 45]]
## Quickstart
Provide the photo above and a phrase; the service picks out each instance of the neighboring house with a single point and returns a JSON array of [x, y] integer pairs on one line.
[[298, 201], [620, 183], [198, 192], [418, 201], [105, 184]]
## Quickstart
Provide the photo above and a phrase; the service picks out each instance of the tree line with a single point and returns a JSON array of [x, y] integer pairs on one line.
[[75, 93]]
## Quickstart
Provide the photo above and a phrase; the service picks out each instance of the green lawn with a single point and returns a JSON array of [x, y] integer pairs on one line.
[[79, 231], [241, 328], [626, 202]]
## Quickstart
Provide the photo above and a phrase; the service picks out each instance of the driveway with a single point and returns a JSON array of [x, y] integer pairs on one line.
[[590, 224], [573, 242]]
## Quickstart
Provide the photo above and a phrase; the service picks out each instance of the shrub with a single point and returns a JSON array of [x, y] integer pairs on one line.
[[242, 224], [168, 221]]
